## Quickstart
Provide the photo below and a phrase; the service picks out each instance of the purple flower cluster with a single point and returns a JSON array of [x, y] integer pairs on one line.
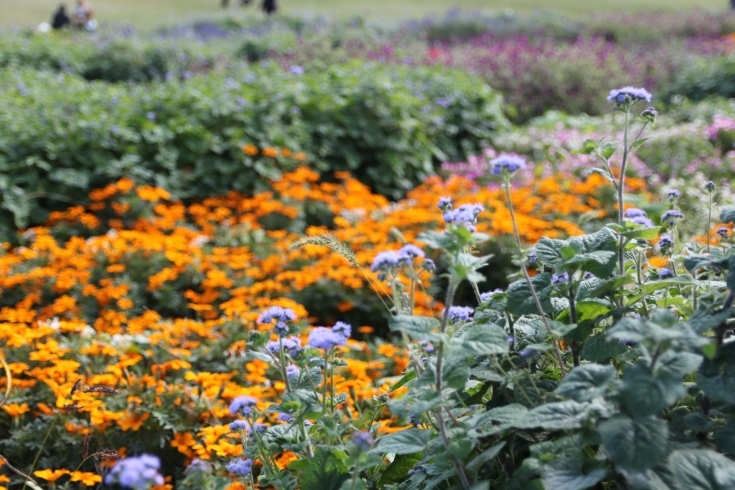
[[559, 279], [292, 345], [490, 294], [723, 232], [507, 163], [243, 404], [241, 467], [362, 440], [239, 425], [465, 215], [665, 242], [281, 316], [629, 94], [328, 338], [665, 273], [673, 194], [136, 473], [639, 217], [670, 216], [460, 313], [390, 259], [292, 371]]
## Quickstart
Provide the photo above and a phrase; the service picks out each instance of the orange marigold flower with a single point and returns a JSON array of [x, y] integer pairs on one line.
[[300, 156], [50, 475], [285, 152], [89, 479], [250, 149], [15, 409], [270, 152]]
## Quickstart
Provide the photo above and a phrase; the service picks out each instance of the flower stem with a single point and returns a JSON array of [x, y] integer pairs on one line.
[[38, 454], [528, 278], [621, 191]]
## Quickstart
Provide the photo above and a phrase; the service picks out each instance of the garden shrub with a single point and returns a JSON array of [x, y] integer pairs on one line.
[[390, 127], [705, 77]]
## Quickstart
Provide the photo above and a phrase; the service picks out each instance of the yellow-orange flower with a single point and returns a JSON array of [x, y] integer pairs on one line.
[[50, 475]]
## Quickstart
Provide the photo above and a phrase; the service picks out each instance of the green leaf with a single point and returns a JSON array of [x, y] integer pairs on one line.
[[417, 327], [637, 330], [637, 144], [727, 214], [608, 149], [555, 416], [520, 301], [398, 470], [587, 382], [699, 469], [644, 392], [485, 456], [590, 310], [455, 372], [405, 379], [634, 444], [568, 474], [407, 441], [598, 349], [589, 146], [325, 472], [642, 233], [725, 438], [483, 340]]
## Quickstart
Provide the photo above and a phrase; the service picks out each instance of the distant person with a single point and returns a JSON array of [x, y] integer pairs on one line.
[[60, 19], [269, 6], [84, 15]]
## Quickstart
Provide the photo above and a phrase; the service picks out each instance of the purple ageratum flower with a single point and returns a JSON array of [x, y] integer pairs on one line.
[[444, 203], [710, 186], [511, 163], [460, 313], [292, 371], [465, 215], [343, 329], [559, 279], [629, 94], [665, 273], [281, 329], [292, 345], [428, 265], [665, 241], [151, 116], [490, 294], [239, 425], [241, 467], [325, 338], [642, 220], [296, 70], [673, 194], [136, 473], [277, 313], [199, 465], [671, 215], [362, 440], [284, 417], [386, 261], [723, 232], [635, 213], [243, 404], [410, 252]]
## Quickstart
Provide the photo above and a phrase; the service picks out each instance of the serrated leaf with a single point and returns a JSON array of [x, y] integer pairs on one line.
[[634, 444], [637, 144], [727, 214], [483, 340], [699, 469], [397, 471], [407, 441], [608, 149], [520, 302], [325, 472], [455, 372], [417, 327], [589, 146], [555, 416], [587, 382], [644, 392], [567, 473]]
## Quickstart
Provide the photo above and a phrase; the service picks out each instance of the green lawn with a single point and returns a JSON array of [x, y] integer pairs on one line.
[[150, 13]]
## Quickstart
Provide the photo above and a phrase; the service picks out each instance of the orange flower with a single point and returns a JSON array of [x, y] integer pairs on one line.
[[250, 149], [300, 156], [88, 479], [15, 410], [50, 475], [270, 152], [285, 152]]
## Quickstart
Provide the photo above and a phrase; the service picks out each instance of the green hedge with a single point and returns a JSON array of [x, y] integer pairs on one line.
[[390, 127]]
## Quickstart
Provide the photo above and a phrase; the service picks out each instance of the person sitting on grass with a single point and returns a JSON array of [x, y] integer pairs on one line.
[[60, 19]]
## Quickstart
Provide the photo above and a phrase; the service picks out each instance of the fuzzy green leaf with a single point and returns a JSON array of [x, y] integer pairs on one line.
[[634, 444]]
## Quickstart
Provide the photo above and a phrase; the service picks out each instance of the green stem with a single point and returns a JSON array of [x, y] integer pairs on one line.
[[709, 221], [38, 454], [536, 300], [621, 192]]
